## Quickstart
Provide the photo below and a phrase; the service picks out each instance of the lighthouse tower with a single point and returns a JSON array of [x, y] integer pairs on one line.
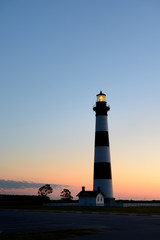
[[102, 164]]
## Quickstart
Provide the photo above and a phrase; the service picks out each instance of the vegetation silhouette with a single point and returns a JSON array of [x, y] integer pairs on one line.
[[45, 190], [66, 195]]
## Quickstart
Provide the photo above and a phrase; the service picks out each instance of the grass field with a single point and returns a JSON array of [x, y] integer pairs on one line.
[[104, 210]]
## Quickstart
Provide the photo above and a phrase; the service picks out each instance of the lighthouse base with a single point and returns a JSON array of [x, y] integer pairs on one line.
[[105, 185], [109, 201]]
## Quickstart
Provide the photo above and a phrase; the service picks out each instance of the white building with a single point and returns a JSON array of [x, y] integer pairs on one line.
[[91, 198]]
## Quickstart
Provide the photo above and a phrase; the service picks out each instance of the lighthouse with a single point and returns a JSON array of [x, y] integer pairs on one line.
[[102, 164]]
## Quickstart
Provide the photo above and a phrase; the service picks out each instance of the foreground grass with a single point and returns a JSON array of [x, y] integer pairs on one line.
[[110, 210], [105, 210], [49, 235]]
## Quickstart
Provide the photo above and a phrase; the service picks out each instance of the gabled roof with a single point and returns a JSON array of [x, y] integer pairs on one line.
[[89, 193]]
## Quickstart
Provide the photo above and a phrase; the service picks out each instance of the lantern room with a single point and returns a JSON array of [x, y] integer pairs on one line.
[[101, 97]]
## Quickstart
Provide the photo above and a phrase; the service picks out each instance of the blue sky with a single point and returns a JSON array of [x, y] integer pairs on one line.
[[55, 57]]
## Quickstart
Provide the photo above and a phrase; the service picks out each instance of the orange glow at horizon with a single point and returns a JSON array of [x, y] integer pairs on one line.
[[131, 179]]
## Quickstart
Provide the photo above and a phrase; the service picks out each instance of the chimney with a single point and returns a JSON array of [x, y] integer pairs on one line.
[[99, 188], [83, 188]]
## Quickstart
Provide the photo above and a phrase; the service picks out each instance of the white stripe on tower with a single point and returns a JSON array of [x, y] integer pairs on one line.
[[102, 165], [101, 123]]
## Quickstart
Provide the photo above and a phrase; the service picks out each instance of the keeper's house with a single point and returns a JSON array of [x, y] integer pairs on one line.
[[91, 198]]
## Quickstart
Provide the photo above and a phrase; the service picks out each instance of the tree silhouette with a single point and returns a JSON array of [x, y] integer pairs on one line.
[[66, 195], [45, 190]]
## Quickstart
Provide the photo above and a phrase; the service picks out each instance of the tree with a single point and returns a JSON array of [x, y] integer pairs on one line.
[[66, 195], [45, 190]]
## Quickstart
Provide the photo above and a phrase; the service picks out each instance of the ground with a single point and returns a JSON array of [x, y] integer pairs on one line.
[[105, 226]]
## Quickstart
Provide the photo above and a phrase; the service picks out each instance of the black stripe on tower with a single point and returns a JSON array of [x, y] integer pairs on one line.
[[101, 108], [101, 138], [102, 170]]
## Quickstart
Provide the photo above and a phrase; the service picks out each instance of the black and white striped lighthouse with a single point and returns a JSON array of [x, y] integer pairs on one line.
[[102, 164]]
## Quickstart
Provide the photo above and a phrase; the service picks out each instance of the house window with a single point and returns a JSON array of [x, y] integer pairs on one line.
[[98, 199]]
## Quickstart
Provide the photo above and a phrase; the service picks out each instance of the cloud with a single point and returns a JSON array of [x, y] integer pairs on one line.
[[9, 184]]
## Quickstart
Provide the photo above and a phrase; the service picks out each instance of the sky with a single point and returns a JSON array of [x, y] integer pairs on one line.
[[56, 55]]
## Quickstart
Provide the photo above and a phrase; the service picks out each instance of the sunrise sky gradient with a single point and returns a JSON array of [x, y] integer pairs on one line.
[[56, 55]]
